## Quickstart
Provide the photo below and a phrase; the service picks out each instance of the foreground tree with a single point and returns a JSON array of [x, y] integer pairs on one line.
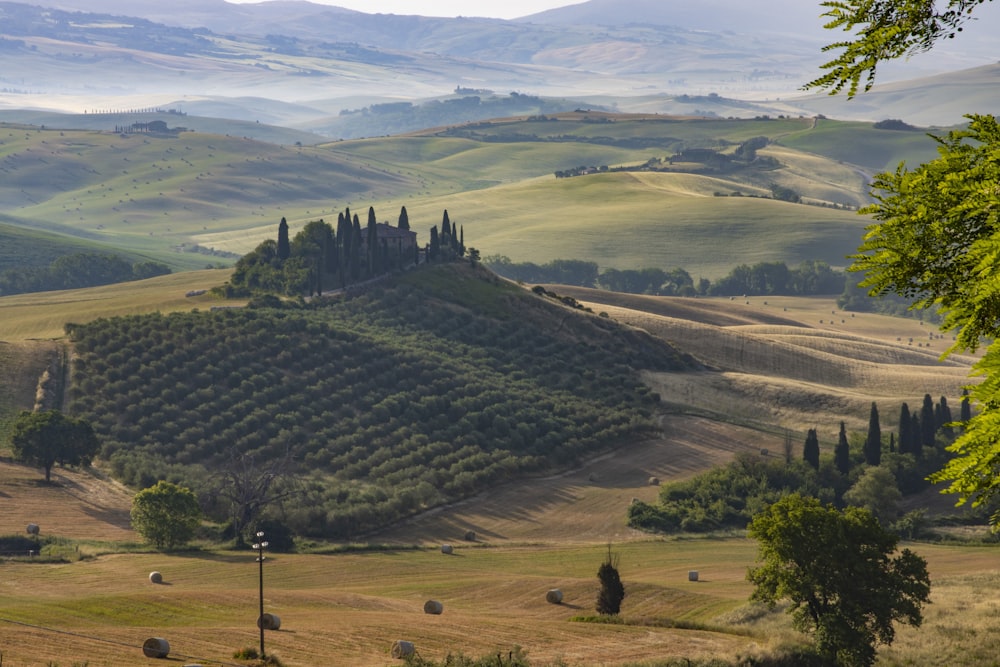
[[50, 437], [884, 30], [937, 234], [840, 570], [166, 515]]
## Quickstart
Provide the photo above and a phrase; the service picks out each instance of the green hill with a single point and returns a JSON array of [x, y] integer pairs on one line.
[[419, 392], [189, 199]]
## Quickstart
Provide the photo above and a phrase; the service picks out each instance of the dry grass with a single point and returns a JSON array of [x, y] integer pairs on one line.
[[778, 367]]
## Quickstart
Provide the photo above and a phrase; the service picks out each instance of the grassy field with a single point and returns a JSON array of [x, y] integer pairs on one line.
[[158, 196]]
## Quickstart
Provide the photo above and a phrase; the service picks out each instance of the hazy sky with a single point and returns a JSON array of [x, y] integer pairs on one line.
[[501, 9]]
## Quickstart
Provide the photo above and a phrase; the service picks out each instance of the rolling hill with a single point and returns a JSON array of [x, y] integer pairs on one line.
[[187, 198], [772, 368]]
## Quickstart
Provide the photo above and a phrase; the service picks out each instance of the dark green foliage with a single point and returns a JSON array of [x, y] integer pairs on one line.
[[729, 496], [50, 437], [763, 278], [424, 390], [928, 425], [78, 270], [284, 246], [609, 598], [906, 445], [873, 441], [966, 413], [847, 584], [842, 452], [810, 451]]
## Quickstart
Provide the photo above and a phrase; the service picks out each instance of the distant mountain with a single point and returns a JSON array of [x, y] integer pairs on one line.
[[303, 63]]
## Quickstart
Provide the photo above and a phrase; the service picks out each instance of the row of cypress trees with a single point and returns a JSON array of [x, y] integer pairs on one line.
[[320, 256], [916, 432]]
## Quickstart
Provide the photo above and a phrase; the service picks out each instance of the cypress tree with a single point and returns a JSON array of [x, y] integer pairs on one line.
[[435, 247], [946, 419], [842, 452], [404, 219], [873, 442], [916, 442], [905, 437], [810, 451], [371, 243], [284, 247], [966, 410], [928, 427], [356, 248]]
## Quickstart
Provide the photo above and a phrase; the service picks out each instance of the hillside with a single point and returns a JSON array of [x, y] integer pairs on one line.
[[531, 532], [778, 367], [191, 199]]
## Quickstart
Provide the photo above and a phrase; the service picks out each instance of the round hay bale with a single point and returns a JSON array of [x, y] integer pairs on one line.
[[155, 577], [155, 647], [554, 596], [654, 481], [692, 575], [470, 536], [401, 649], [33, 529], [447, 549], [433, 607], [269, 622]]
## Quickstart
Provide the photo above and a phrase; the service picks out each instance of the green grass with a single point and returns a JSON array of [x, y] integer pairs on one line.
[[159, 197]]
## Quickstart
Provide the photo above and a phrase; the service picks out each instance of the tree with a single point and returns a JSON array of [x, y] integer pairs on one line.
[[905, 434], [928, 423], [404, 219], [873, 441], [249, 488], [284, 247], [842, 452], [609, 599], [886, 29], [166, 514], [810, 451], [876, 491], [965, 413], [840, 570], [50, 437]]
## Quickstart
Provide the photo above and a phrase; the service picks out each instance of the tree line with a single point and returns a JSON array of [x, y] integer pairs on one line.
[[762, 279], [873, 470], [76, 271]]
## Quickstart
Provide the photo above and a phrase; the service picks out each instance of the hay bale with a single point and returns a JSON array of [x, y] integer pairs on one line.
[[554, 596], [401, 649], [155, 577], [470, 536], [269, 622], [33, 529], [654, 481], [692, 575], [156, 647], [433, 607], [447, 549]]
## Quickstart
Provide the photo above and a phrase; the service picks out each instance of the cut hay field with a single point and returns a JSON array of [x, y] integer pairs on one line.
[[777, 367]]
